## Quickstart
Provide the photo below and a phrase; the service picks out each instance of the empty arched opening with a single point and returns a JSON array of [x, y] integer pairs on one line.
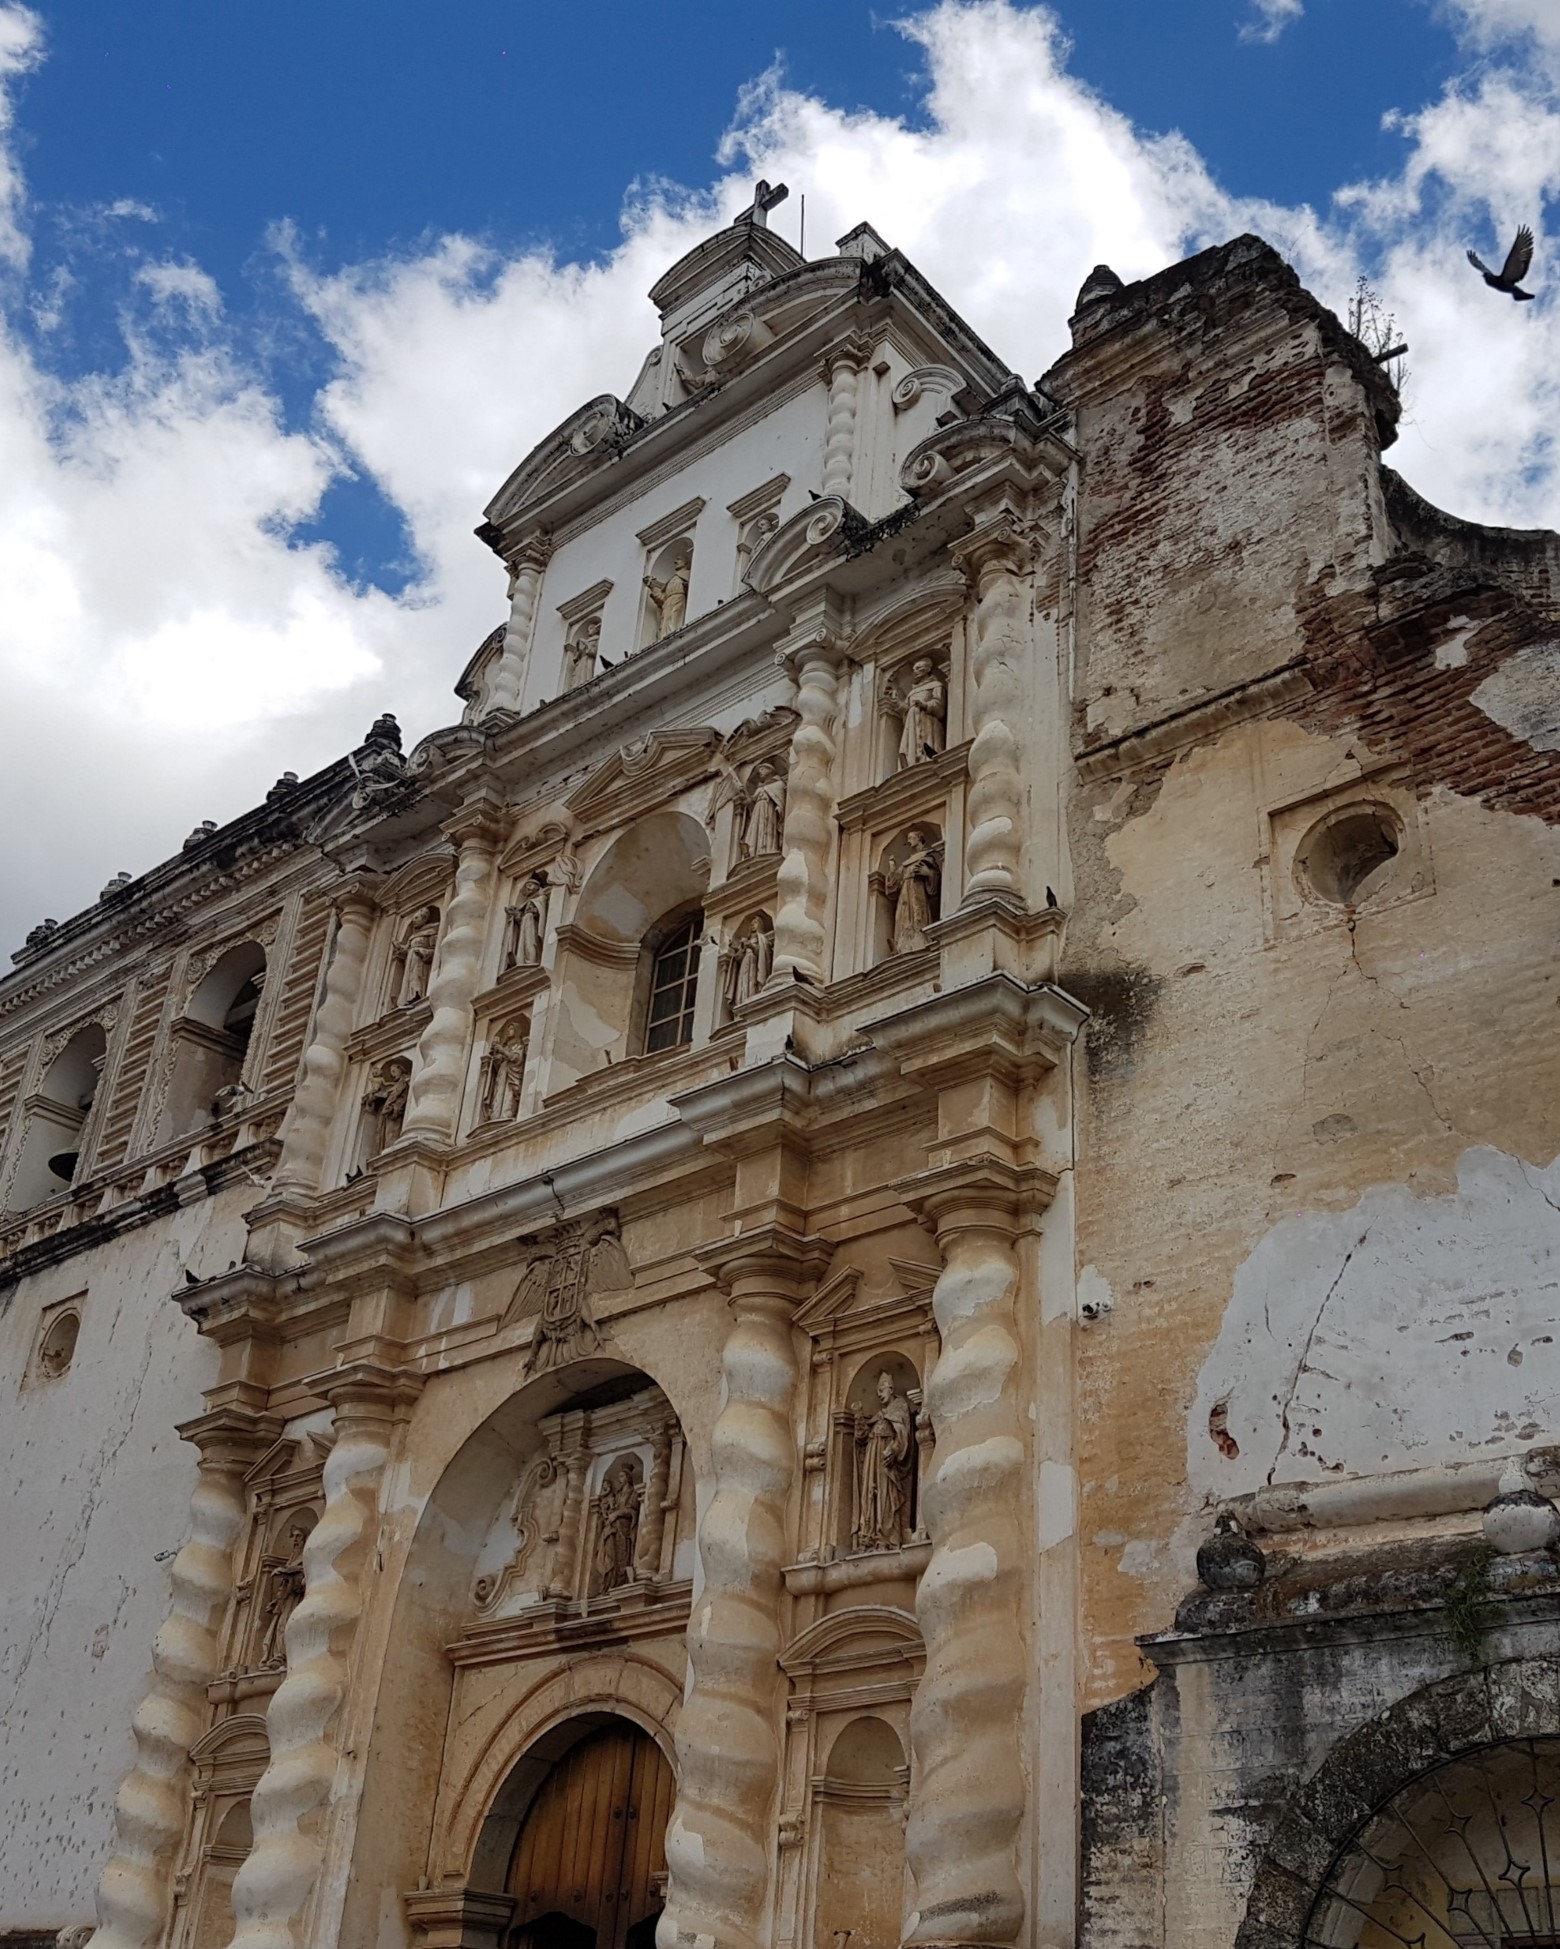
[[632, 979], [57, 1120], [861, 1867], [211, 1042]]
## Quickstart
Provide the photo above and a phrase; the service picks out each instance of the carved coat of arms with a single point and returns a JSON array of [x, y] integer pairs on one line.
[[565, 1267]]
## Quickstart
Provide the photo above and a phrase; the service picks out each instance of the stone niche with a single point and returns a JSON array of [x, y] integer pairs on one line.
[[285, 1498], [595, 1528]]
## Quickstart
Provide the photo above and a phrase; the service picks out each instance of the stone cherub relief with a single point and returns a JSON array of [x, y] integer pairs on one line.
[[748, 961], [914, 885], [284, 1587], [566, 1267], [412, 965], [669, 594], [885, 1470], [923, 730], [524, 922], [617, 1526], [503, 1071], [384, 1103]]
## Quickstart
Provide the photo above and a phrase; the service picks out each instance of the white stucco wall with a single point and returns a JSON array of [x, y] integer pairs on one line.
[[1401, 1333], [97, 1484]]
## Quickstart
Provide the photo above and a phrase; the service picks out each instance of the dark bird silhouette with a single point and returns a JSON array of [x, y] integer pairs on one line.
[[1513, 271]]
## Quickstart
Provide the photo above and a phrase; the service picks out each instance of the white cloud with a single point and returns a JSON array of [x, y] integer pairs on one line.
[[169, 643], [1272, 17]]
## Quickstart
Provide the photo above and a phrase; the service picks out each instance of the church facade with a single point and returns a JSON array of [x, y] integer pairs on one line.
[[875, 1261]]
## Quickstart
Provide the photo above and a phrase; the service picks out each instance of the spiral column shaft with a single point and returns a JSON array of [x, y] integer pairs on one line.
[[992, 853], [439, 1072], [306, 1134], [153, 1801], [807, 841], [509, 675]]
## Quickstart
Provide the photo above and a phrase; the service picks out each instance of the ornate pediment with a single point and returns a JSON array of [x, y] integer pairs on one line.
[[644, 775], [811, 540], [1010, 438], [594, 434]]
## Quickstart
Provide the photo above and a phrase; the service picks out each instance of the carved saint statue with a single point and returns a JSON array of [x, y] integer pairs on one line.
[[916, 884], [503, 1071], [581, 651], [923, 734], [763, 812], [523, 920], [749, 961], [617, 1526], [669, 598], [885, 1448], [384, 1103], [284, 1585], [415, 954], [566, 1266]]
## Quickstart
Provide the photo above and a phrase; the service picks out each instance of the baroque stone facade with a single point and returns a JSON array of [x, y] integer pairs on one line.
[[874, 1262]]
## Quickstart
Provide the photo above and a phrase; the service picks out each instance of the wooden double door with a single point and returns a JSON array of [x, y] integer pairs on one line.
[[590, 1864]]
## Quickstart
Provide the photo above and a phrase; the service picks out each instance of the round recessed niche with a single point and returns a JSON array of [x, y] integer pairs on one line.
[[57, 1348], [1350, 856]]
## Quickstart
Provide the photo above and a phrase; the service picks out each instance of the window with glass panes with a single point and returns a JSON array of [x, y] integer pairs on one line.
[[674, 976]]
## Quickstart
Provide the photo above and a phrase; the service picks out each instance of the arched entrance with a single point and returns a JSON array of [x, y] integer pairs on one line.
[[589, 1867]]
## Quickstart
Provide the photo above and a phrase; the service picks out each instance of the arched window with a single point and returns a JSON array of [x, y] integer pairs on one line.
[[57, 1118], [211, 1042], [674, 980]]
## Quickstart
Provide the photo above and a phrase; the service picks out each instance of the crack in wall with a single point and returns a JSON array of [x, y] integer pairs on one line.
[[1305, 1354]]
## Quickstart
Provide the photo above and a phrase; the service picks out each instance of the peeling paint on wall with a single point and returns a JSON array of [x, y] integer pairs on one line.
[[1523, 695], [1456, 1299]]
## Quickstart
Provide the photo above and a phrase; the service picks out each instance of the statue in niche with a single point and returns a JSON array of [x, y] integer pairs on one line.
[[284, 1586], [617, 1526], [384, 1102], [669, 598], [415, 956], [923, 734], [749, 961], [503, 1071], [581, 651], [565, 1267], [757, 530], [523, 922], [885, 1469], [763, 812], [916, 886]]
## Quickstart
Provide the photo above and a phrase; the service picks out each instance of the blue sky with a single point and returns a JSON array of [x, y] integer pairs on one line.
[[286, 291]]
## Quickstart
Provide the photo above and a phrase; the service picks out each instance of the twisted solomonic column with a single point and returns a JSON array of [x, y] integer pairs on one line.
[[992, 853], [289, 1803], [808, 838], [439, 1072], [509, 672], [968, 1801], [842, 369], [306, 1133], [722, 1831], [153, 1801]]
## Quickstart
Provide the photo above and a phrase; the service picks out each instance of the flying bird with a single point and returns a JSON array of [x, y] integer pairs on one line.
[[1513, 271]]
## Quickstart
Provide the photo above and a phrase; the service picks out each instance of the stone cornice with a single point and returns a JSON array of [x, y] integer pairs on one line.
[[1194, 723], [995, 1026]]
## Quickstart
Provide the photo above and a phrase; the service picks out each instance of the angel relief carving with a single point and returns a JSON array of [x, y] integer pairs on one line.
[[566, 1267]]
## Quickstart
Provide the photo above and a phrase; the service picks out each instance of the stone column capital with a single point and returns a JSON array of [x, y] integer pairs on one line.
[[367, 1391], [986, 1193], [357, 899], [1000, 544], [533, 553], [853, 351], [230, 1440], [458, 1918], [480, 825], [763, 1264], [820, 650]]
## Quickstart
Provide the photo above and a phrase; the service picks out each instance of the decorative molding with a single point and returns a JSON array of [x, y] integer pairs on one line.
[[1166, 737], [911, 793], [670, 526], [586, 603], [641, 777]]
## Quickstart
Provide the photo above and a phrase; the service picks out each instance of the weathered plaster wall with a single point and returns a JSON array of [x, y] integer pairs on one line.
[[1258, 1102], [97, 1484]]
